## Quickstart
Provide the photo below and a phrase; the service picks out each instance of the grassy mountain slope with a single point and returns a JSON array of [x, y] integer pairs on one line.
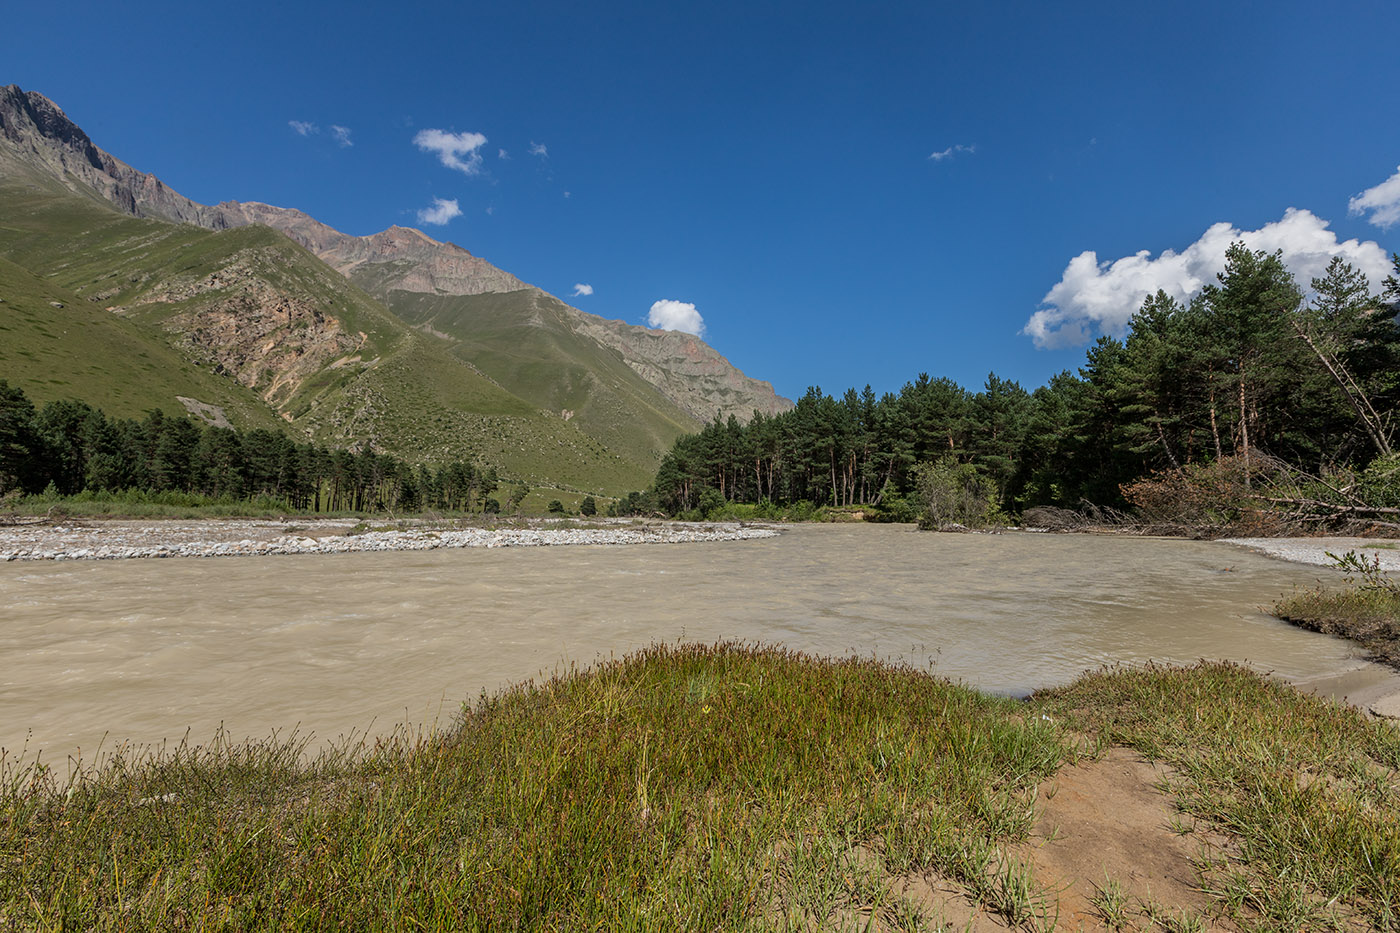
[[249, 320], [80, 351], [262, 298], [526, 341]]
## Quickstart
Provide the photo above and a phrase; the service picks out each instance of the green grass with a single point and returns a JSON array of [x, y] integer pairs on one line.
[[1369, 617], [1367, 611], [529, 343], [1308, 791], [144, 504], [718, 788], [693, 787], [82, 351]]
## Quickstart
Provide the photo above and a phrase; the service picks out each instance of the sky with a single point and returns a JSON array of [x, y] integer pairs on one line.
[[834, 195]]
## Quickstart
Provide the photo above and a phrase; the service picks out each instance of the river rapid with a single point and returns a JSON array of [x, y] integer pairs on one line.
[[149, 651]]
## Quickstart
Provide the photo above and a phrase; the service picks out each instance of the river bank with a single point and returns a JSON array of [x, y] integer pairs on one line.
[[117, 539], [90, 538]]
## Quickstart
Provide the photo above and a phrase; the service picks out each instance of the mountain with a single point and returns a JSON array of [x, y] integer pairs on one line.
[[396, 259], [397, 339], [682, 367]]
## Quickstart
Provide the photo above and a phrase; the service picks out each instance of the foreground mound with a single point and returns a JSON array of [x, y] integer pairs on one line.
[[733, 787]]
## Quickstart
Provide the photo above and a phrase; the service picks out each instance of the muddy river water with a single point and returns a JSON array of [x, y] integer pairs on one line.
[[144, 650]]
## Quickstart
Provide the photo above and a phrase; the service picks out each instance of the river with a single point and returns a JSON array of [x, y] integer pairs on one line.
[[145, 651]]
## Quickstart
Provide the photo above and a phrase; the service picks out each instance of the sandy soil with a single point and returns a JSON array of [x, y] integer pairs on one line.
[[1097, 822]]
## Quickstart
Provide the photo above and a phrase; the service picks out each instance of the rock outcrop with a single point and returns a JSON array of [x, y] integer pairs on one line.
[[269, 340], [687, 370]]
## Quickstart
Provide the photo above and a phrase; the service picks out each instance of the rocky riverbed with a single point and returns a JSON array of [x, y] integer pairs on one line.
[[92, 539], [1316, 550]]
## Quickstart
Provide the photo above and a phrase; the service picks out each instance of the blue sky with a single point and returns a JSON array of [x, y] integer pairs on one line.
[[845, 194]]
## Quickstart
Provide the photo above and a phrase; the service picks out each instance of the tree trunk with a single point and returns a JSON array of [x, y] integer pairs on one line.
[[1215, 426], [1359, 402], [1167, 447], [1244, 433]]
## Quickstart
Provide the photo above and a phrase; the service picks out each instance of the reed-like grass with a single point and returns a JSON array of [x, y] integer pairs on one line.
[[681, 788], [701, 788]]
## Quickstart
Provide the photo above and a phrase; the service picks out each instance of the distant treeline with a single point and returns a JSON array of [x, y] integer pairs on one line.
[[1247, 366], [69, 447]]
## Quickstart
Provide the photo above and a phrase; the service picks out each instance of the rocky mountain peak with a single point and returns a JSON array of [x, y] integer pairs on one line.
[[37, 134], [21, 110]]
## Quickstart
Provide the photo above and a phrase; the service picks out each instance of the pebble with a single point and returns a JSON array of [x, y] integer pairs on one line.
[[130, 540]]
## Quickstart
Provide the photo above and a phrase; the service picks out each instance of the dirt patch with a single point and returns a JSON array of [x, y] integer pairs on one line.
[[1109, 850], [948, 906], [1106, 828]]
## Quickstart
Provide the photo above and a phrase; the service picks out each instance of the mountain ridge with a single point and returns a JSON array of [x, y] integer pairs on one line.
[[398, 259]]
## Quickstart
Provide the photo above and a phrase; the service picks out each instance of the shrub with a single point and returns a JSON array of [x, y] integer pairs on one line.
[[1220, 496], [1379, 484], [893, 508], [952, 494], [711, 503]]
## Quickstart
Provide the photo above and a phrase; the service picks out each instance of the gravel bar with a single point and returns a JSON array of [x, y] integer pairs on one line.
[[118, 540], [1314, 550]]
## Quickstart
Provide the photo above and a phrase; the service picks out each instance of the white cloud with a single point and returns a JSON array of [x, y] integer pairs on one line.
[[582, 289], [952, 151], [1102, 296], [1383, 201], [342, 135], [676, 315], [568, 194], [440, 213], [503, 155], [303, 128], [454, 150], [538, 149]]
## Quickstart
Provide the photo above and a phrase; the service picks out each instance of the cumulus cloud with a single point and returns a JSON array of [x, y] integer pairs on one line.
[[538, 149], [1383, 201], [342, 135], [454, 150], [303, 128], [1102, 296], [582, 289], [503, 155], [440, 213], [676, 315], [952, 151]]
